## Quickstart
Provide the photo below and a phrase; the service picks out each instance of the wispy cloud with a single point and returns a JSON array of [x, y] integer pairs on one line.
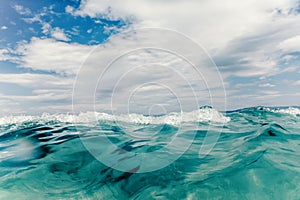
[[22, 10], [266, 85], [36, 80]]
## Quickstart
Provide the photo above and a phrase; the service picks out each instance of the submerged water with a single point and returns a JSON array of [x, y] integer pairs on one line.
[[257, 156]]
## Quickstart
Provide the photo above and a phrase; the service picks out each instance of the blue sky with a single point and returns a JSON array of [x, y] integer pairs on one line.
[[45, 44]]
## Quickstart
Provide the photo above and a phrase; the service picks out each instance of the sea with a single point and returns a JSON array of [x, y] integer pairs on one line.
[[250, 153]]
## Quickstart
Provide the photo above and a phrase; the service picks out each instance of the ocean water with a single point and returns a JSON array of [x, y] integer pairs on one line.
[[256, 156]]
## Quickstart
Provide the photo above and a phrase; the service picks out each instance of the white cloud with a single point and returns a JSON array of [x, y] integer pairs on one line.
[[40, 98], [291, 44], [4, 55], [37, 80], [46, 28], [22, 10], [32, 19], [56, 33], [59, 34], [209, 22], [266, 85], [8, 55], [259, 53], [48, 91], [66, 59], [244, 33], [247, 38], [270, 93], [177, 65], [4, 27], [297, 83], [69, 9], [52, 55], [35, 104]]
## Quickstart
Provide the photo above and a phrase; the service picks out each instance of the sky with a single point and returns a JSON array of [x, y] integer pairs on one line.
[[147, 56]]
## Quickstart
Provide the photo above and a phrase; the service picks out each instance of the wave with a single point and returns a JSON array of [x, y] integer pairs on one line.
[[290, 110], [175, 118], [205, 114], [46, 157]]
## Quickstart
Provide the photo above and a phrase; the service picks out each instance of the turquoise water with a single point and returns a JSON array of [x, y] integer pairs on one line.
[[257, 155]]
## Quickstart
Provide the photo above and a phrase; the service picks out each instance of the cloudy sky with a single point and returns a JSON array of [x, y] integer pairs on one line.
[[148, 56]]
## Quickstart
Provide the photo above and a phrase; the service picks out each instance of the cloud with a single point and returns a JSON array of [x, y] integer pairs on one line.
[[46, 28], [53, 56], [47, 91], [40, 98], [291, 44], [8, 54], [22, 10], [266, 85], [296, 83], [242, 36], [156, 62], [4, 27], [246, 39], [59, 34], [39, 17], [36, 103], [37, 80], [56, 33], [210, 22], [4, 55], [129, 63], [260, 53]]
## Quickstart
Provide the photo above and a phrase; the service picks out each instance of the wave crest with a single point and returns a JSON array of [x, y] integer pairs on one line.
[[174, 118]]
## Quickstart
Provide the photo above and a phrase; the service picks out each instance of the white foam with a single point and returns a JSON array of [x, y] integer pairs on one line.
[[201, 115], [290, 110]]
